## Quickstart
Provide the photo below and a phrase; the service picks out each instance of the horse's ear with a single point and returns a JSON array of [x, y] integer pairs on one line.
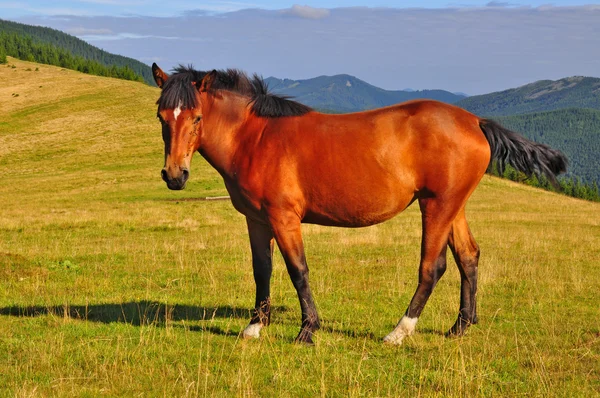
[[208, 81], [160, 77]]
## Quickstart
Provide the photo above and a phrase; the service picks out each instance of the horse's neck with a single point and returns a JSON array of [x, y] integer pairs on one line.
[[224, 131]]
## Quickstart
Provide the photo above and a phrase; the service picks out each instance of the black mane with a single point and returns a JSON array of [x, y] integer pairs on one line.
[[178, 91]]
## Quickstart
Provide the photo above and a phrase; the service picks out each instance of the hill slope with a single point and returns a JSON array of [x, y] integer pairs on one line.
[[107, 277], [77, 47], [544, 95], [345, 93]]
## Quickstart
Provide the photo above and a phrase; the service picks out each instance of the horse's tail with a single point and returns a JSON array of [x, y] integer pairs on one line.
[[526, 156]]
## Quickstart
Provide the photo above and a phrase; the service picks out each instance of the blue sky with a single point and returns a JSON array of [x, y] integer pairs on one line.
[[464, 46]]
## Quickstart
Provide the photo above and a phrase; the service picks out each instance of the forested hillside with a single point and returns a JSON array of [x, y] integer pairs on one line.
[[576, 132], [76, 47], [23, 47], [544, 95]]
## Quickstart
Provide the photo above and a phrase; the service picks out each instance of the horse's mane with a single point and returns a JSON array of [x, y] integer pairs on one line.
[[178, 91]]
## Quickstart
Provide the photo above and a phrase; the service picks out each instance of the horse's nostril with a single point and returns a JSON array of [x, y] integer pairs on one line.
[[186, 174], [163, 174]]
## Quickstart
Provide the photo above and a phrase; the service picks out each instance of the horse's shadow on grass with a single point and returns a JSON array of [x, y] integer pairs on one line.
[[153, 313], [140, 313]]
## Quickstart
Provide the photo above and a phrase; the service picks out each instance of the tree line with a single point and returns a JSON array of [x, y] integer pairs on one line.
[[26, 49], [570, 186]]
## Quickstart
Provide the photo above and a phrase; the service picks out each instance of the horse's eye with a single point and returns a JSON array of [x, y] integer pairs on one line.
[[197, 119]]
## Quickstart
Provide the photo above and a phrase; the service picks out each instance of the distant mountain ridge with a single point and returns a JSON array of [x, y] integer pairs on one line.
[[346, 93], [541, 96]]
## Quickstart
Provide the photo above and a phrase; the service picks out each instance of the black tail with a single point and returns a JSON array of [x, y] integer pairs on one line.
[[526, 156]]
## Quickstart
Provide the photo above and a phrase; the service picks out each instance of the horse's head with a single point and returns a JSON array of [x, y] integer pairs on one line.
[[180, 113]]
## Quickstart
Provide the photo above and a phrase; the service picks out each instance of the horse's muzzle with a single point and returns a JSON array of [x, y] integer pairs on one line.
[[176, 183]]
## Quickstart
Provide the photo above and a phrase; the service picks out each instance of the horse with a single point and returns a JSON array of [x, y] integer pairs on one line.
[[284, 164]]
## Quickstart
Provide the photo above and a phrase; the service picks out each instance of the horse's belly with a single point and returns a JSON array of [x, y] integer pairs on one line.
[[359, 210], [348, 222]]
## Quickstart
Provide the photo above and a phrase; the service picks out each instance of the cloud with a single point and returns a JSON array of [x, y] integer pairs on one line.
[[307, 12], [214, 7], [113, 2], [499, 4], [81, 31], [123, 36]]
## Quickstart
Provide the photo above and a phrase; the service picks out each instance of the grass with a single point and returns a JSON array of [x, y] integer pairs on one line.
[[110, 284]]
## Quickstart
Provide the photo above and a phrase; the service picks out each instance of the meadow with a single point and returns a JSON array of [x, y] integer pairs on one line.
[[112, 285]]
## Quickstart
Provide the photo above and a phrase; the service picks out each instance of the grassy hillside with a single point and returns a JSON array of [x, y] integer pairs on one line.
[[575, 131], [77, 47], [112, 285], [345, 93], [544, 95]]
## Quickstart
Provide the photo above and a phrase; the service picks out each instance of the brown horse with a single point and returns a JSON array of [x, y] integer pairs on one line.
[[285, 164]]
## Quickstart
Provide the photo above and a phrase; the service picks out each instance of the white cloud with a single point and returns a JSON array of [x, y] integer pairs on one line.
[[123, 36], [307, 12], [499, 4], [81, 31]]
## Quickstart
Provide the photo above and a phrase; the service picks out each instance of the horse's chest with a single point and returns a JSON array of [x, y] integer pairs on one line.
[[241, 201]]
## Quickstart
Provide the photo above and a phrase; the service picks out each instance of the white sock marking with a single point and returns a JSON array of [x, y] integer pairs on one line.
[[405, 327], [252, 331]]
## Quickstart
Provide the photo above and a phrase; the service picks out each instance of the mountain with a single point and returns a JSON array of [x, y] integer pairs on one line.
[[543, 95], [345, 93], [77, 47]]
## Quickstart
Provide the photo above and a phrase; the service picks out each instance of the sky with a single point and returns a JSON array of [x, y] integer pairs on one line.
[[466, 46]]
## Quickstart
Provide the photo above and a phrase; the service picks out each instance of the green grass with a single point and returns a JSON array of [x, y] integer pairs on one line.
[[112, 285]]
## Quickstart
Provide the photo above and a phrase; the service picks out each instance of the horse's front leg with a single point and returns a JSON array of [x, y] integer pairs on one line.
[[261, 243], [288, 234]]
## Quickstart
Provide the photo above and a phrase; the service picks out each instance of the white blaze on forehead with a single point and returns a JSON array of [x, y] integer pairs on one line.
[[177, 110]]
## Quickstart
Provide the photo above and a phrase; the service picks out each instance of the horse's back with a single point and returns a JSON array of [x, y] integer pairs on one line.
[[405, 146]]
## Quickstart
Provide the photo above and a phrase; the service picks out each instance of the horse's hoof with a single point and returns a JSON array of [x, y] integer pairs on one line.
[[405, 327], [393, 339], [305, 342], [452, 333], [252, 331], [459, 328], [305, 338]]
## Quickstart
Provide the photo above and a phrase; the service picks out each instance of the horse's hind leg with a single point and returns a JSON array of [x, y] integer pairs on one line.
[[261, 243], [466, 253], [437, 216]]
